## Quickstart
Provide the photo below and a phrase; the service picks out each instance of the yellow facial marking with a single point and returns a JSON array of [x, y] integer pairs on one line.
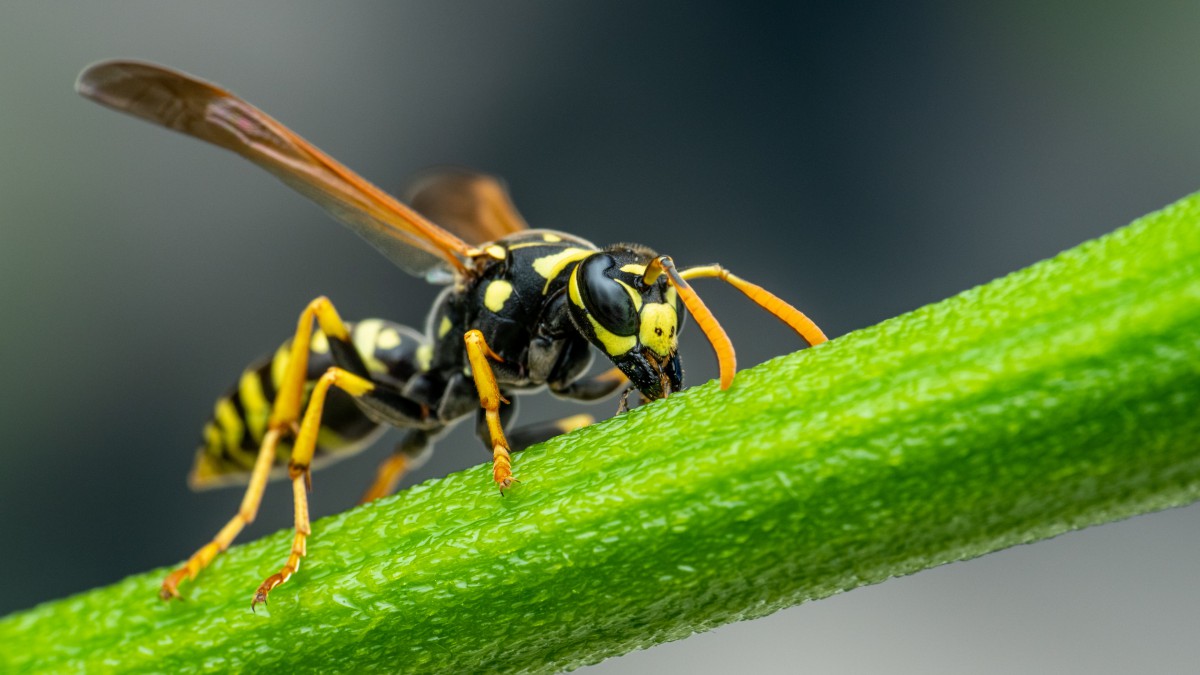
[[658, 331], [634, 268], [614, 345], [424, 356], [255, 404], [633, 295], [671, 296], [444, 327], [496, 251], [388, 338], [573, 288], [497, 293], [550, 266]]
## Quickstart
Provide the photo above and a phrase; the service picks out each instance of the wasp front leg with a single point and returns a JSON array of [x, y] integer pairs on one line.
[[478, 353]]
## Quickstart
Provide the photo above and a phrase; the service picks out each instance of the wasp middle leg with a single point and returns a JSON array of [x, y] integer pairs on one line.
[[411, 452]]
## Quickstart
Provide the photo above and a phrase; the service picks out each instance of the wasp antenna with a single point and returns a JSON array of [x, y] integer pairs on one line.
[[721, 344], [793, 317]]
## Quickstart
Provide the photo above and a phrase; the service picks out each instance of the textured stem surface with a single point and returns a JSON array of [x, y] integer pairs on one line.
[[1064, 395]]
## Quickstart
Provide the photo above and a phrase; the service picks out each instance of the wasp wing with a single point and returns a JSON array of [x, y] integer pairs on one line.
[[472, 205], [197, 108]]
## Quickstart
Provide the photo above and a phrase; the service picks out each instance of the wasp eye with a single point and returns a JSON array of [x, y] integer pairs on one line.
[[605, 299]]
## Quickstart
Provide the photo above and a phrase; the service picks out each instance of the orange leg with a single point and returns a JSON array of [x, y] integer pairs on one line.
[[245, 515], [478, 353], [410, 453], [388, 476], [284, 414], [299, 471]]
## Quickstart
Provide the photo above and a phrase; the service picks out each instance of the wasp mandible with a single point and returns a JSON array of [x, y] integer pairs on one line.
[[522, 310]]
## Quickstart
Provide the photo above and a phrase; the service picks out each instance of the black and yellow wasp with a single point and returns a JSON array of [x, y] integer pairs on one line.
[[522, 310]]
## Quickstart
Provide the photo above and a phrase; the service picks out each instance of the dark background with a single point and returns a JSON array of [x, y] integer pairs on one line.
[[861, 160]]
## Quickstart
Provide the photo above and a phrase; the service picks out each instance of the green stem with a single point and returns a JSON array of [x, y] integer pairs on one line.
[[1059, 397]]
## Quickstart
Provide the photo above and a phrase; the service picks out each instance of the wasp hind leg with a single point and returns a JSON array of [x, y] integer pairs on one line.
[[245, 515], [410, 453], [593, 388], [284, 414], [523, 437]]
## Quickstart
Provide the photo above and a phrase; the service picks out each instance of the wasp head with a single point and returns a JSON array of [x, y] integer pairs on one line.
[[636, 324]]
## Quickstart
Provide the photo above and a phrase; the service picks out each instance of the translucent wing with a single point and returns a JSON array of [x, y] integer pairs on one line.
[[197, 108], [472, 205]]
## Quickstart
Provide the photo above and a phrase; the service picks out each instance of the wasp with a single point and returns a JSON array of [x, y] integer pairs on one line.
[[522, 310]]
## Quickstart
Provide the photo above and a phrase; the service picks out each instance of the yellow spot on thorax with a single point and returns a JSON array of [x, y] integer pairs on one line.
[[444, 327], [549, 236], [319, 343], [496, 251], [389, 338], [365, 337], [424, 356], [497, 293], [658, 331], [550, 266]]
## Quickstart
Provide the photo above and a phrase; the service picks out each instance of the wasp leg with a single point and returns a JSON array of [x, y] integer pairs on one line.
[[299, 468], [763, 298], [543, 431], [525, 436], [245, 515], [289, 401], [284, 414], [592, 388], [478, 353], [410, 453]]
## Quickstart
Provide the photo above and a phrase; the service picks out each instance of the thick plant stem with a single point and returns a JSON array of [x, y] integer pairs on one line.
[[1064, 395]]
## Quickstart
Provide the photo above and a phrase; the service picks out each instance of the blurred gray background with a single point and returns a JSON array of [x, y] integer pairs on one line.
[[861, 160]]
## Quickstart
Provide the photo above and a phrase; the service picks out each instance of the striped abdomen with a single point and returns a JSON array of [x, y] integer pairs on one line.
[[239, 422]]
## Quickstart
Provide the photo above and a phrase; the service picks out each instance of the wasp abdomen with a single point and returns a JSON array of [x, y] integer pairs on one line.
[[236, 429]]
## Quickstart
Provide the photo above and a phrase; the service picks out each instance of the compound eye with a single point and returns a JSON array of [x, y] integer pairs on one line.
[[606, 300]]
